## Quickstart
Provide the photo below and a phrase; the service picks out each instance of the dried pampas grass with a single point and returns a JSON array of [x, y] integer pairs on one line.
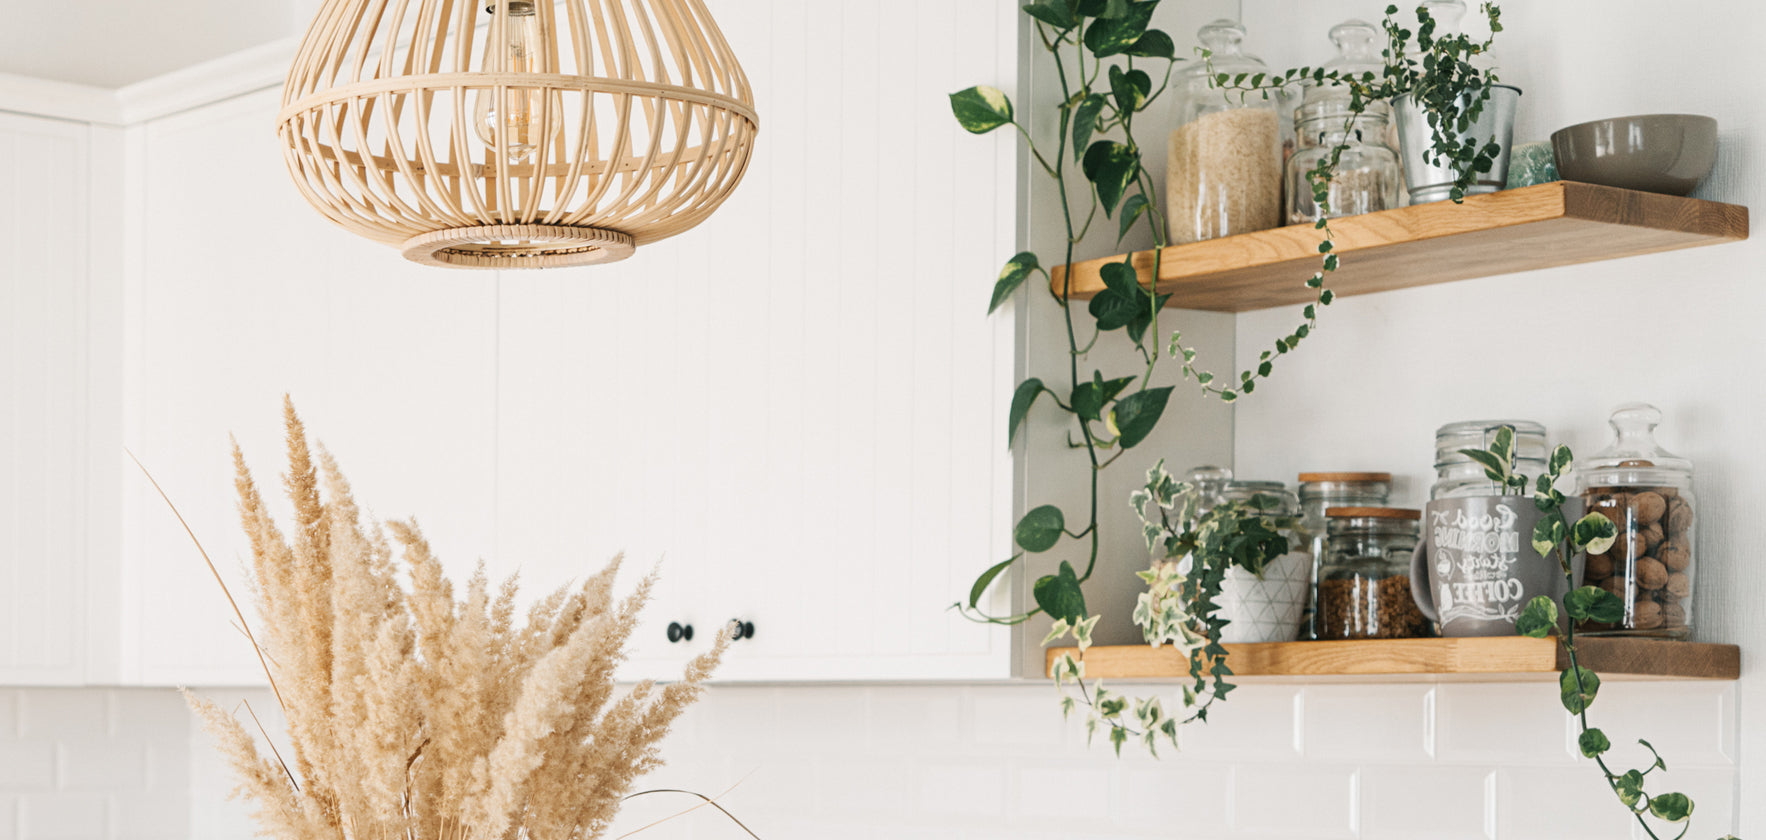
[[414, 714]]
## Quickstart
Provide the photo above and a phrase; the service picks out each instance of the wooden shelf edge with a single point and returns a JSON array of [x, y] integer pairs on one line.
[[1494, 658], [1541, 226]]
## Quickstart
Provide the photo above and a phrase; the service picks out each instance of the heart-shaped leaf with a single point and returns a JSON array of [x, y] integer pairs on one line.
[[1040, 529], [1538, 619], [1592, 603], [1085, 121], [1111, 167], [1578, 686], [981, 109], [1593, 742], [1059, 595], [1672, 807], [1130, 89], [1136, 414], [986, 580], [1090, 398], [1132, 208], [1013, 275], [1114, 311], [1154, 44], [1115, 35], [1022, 399]]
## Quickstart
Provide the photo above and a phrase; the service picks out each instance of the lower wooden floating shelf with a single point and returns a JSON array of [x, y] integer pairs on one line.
[[1501, 658]]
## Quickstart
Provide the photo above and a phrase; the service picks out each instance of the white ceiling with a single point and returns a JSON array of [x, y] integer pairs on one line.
[[111, 43]]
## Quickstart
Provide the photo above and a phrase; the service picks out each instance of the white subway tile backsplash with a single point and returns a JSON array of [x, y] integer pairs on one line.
[[917, 719], [966, 789], [27, 765], [1692, 724], [1442, 802], [1254, 723], [1316, 803], [102, 765], [985, 762], [1176, 798], [1368, 722], [65, 713], [1550, 803], [1502, 723], [149, 816], [1048, 792], [48, 816], [1021, 721]]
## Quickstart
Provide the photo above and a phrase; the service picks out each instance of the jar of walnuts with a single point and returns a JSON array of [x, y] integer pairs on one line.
[[1647, 493], [1364, 582]]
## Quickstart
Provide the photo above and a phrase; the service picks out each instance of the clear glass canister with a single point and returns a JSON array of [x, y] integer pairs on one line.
[[1320, 491], [1647, 492], [1457, 476], [1223, 170], [1364, 583], [1366, 177]]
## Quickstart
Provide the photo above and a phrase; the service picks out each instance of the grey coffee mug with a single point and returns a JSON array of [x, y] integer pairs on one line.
[[1475, 568]]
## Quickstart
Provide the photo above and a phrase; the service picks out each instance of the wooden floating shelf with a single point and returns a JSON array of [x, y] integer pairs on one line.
[[1542, 226], [1491, 658]]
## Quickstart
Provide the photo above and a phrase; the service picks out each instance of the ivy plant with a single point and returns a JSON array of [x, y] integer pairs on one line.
[[1557, 538]]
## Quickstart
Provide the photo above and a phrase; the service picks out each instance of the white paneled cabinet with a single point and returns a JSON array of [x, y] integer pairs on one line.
[[796, 408], [44, 407]]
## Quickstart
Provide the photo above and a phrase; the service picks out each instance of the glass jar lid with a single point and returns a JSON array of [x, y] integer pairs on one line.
[[1224, 39], [1358, 53], [1478, 434], [1346, 477], [1634, 457]]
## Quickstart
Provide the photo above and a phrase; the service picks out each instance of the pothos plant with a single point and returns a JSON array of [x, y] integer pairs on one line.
[[1111, 66], [1556, 537]]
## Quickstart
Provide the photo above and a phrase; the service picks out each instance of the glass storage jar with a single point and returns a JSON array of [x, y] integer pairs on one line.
[[1322, 490], [1364, 583], [1647, 493], [1367, 176], [1457, 476], [1223, 171]]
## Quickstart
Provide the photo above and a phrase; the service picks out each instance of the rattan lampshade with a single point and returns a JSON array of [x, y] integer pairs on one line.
[[516, 133]]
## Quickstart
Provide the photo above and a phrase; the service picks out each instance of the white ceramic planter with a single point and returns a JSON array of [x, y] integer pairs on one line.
[[1266, 609]]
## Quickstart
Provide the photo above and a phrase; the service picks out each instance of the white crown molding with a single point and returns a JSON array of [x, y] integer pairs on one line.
[[59, 100], [246, 71]]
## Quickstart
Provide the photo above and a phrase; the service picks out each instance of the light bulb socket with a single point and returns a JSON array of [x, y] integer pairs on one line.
[[517, 8]]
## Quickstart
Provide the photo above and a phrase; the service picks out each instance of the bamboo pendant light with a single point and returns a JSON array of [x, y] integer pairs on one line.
[[516, 133]]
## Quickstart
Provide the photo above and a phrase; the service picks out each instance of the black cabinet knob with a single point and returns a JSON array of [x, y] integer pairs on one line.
[[741, 629], [678, 632]]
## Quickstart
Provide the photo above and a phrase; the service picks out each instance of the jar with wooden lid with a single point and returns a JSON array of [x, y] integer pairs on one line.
[[1647, 492], [1223, 172], [1322, 490], [1364, 583]]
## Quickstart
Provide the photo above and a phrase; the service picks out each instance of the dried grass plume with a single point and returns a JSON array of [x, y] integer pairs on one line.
[[420, 715]]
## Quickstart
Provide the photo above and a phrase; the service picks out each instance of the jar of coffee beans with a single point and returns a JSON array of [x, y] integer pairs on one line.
[[1647, 493], [1364, 583]]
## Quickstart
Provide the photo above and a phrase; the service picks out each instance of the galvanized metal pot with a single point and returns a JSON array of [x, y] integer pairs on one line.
[[1428, 183]]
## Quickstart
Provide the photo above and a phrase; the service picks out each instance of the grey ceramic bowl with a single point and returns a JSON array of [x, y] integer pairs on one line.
[[1659, 153]]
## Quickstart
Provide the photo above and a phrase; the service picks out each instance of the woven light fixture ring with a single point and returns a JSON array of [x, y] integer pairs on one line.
[[516, 133]]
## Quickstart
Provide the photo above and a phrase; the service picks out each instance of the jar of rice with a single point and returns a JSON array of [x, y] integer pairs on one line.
[[1223, 172]]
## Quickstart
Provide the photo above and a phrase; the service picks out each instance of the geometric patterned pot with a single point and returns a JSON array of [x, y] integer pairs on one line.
[[1266, 609]]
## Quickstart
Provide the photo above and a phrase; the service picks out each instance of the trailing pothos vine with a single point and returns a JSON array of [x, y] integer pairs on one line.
[[1101, 50], [1556, 537]]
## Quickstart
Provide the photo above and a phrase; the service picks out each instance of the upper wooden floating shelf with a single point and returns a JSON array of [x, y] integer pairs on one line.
[[1560, 223], [1493, 658]]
